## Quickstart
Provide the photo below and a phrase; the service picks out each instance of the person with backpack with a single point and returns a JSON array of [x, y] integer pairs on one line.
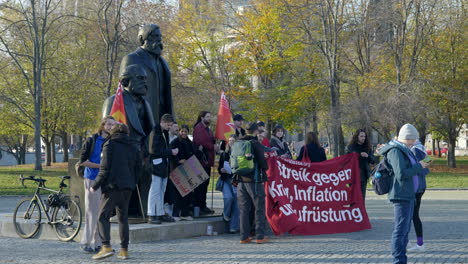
[[117, 178], [160, 152], [278, 144], [231, 207], [419, 152], [312, 151], [360, 144], [181, 210], [90, 159], [405, 169], [249, 167]]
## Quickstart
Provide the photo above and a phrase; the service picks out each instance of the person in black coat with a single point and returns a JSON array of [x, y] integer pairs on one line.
[[117, 179], [278, 144], [314, 152], [160, 153], [186, 150], [360, 144]]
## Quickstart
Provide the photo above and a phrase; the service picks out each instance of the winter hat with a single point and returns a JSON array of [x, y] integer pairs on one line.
[[408, 131]]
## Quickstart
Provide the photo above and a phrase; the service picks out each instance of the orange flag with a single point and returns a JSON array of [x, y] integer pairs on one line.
[[118, 107], [224, 124]]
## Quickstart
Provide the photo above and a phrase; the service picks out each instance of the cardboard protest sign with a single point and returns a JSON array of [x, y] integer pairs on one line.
[[187, 176], [315, 198]]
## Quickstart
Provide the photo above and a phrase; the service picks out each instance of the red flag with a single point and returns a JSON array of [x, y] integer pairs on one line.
[[224, 124], [118, 107]]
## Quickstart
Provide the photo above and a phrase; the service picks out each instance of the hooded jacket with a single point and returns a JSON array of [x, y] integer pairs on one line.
[[119, 164], [160, 151], [398, 157]]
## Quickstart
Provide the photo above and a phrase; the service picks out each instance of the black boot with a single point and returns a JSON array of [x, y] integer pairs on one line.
[[154, 220]]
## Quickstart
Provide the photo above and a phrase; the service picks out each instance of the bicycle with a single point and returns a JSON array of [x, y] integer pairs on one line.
[[61, 211]]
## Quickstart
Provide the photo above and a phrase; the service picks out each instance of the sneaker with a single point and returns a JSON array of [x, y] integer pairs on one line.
[[186, 218], [177, 219], [417, 248], [166, 218], [87, 249], [233, 231], [123, 253], [206, 210], [246, 241], [105, 252], [154, 220], [226, 218], [261, 241]]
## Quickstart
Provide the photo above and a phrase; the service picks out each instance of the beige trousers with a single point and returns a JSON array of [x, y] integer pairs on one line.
[[92, 202]]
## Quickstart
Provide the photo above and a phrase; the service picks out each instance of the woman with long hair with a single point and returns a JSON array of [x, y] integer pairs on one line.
[[278, 144], [360, 144], [312, 151]]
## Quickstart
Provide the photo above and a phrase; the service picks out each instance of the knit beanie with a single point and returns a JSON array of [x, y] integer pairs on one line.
[[408, 131]]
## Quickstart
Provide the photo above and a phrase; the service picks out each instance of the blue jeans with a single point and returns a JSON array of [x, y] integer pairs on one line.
[[231, 208], [403, 213]]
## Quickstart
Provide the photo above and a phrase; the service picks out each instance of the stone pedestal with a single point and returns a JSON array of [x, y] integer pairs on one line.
[[76, 187]]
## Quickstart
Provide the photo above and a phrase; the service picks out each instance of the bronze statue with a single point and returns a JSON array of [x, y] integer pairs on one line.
[[140, 121], [148, 55]]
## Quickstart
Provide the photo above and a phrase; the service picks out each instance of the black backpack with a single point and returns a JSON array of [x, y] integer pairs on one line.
[[382, 177], [80, 169]]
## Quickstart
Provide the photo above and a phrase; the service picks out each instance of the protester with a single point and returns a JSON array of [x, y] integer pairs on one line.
[[420, 153], [117, 179], [231, 208], [238, 123], [262, 132], [204, 141], [251, 191], [173, 132], [312, 151], [277, 142], [186, 150], [91, 160], [405, 181], [160, 152], [360, 144]]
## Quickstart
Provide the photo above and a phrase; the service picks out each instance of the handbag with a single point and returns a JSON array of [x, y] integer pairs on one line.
[[219, 185]]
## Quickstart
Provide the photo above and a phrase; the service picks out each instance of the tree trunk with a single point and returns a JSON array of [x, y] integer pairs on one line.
[[48, 152], [433, 147], [438, 149], [53, 150], [65, 146], [451, 161]]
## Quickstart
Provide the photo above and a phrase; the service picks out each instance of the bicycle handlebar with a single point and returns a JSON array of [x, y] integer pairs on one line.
[[40, 180]]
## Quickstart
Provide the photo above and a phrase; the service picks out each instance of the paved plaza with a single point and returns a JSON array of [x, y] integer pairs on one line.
[[444, 214]]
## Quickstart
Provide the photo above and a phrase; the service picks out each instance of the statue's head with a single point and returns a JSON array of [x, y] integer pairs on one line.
[[150, 39], [133, 79]]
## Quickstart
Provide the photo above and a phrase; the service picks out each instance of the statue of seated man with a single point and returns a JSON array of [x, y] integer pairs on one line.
[[140, 122]]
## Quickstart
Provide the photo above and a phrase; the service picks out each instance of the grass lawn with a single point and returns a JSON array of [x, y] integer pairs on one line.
[[440, 177]]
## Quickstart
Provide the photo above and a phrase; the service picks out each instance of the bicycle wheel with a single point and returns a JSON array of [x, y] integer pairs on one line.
[[27, 218], [67, 220]]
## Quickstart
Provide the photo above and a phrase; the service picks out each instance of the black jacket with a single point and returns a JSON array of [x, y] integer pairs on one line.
[[314, 152], [363, 162], [119, 164], [160, 152], [224, 156], [280, 146], [88, 148], [258, 151], [186, 149]]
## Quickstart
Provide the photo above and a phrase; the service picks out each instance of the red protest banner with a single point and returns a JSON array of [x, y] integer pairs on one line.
[[315, 198]]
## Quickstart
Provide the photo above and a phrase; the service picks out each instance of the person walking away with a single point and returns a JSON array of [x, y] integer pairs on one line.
[[117, 179], [91, 159], [360, 144], [186, 150], [231, 207], [204, 141], [420, 153], [160, 152], [312, 151], [277, 143], [251, 191], [405, 168]]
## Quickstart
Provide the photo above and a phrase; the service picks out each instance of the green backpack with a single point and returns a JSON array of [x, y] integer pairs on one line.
[[241, 160]]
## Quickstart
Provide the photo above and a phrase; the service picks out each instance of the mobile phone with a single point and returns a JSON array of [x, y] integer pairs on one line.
[[427, 159]]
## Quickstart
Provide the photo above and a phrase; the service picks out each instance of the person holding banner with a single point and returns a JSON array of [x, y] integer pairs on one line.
[[251, 191], [186, 150], [360, 144], [405, 168], [231, 208], [312, 151], [277, 143]]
